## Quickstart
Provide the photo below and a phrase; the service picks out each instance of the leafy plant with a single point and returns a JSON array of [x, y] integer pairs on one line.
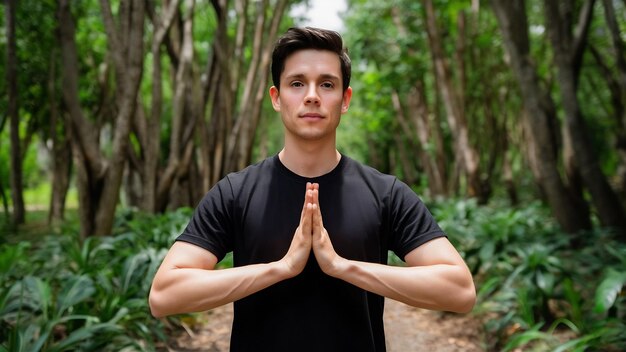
[[86, 295], [608, 293], [534, 287]]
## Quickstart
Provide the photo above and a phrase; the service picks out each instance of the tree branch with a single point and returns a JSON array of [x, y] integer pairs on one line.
[[112, 36], [580, 36]]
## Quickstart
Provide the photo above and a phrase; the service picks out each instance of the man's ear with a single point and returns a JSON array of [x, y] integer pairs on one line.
[[274, 95], [347, 96]]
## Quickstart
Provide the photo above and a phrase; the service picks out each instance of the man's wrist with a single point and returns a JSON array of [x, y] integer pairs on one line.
[[339, 267], [283, 269]]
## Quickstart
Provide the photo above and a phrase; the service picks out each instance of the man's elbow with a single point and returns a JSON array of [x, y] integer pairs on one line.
[[156, 305], [465, 300]]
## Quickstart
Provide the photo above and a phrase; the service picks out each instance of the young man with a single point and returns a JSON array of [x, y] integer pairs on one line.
[[310, 229]]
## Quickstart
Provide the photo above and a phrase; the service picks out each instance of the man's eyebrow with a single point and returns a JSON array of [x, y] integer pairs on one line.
[[324, 76], [330, 76]]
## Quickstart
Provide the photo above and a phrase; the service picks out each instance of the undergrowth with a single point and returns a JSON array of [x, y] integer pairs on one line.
[[538, 287]]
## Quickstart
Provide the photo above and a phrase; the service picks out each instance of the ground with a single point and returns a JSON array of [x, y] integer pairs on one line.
[[406, 328]]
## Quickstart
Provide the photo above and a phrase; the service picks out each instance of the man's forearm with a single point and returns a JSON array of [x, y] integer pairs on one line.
[[438, 287], [185, 290], [186, 281]]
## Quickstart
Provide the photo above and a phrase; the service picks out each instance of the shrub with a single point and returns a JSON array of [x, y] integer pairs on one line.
[[89, 295], [533, 285]]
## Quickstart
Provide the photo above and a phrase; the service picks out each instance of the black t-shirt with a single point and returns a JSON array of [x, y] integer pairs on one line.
[[255, 212]]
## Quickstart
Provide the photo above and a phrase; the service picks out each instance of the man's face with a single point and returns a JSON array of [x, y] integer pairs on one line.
[[311, 98]]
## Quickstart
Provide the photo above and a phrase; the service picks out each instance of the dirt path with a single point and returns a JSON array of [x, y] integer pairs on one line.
[[407, 329]]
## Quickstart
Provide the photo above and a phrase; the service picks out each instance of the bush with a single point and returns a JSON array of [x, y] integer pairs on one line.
[[536, 287], [90, 295]]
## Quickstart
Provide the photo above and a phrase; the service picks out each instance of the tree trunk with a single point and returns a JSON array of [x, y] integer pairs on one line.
[[180, 106], [468, 157], [61, 154], [228, 134], [617, 87], [217, 100], [406, 163], [618, 101], [430, 146], [152, 127], [242, 136], [507, 177], [618, 46], [431, 138], [127, 49], [609, 208], [511, 15], [60, 181], [99, 179], [5, 201], [61, 167], [419, 127], [19, 212]]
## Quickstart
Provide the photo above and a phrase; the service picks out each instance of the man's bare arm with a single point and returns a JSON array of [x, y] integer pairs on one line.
[[187, 282], [439, 285], [436, 276]]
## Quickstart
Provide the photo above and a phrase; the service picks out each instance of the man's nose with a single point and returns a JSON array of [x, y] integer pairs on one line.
[[311, 95]]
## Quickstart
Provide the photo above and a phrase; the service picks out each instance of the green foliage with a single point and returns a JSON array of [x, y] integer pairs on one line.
[[534, 289], [90, 295], [608, 291], [533, 284]]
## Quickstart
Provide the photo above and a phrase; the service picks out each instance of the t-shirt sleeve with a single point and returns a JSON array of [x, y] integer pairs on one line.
[[412, 224], [211, 224]]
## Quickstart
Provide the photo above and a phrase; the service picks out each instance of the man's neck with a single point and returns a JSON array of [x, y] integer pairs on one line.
[[310, 160]]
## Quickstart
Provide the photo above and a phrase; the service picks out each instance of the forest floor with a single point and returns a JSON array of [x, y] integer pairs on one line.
[[406, 329]]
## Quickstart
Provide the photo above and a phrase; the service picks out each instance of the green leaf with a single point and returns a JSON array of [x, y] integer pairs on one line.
[[33, 293], [82, 334], [609, 288], [582, 343], [487, 251], [76, 290], [545, 281], [10, 255], [48, 327], [134, 267], [522, 339]]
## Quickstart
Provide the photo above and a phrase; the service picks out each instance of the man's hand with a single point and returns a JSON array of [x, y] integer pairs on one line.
[[300, 248], [329, 261]]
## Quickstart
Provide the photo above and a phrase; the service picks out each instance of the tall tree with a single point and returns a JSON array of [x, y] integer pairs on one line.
[[455, 110], [181, 145], [215, 110], [149, 130], [428, 133], [60, 151], [396, 103], [234, 115], [616, 82], [570, 211], [568, 50], [19, 212], [99, 177]]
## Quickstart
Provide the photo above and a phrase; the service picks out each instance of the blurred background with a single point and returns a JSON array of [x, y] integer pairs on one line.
[[507, 117]]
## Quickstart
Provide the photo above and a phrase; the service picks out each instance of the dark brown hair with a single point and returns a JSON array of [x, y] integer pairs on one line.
[[296, 39]]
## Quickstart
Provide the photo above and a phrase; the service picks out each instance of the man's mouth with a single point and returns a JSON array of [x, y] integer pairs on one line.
[[311, 116]]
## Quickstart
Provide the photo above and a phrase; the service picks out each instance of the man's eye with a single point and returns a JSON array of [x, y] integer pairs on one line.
[[327, 85], [296, 84]]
